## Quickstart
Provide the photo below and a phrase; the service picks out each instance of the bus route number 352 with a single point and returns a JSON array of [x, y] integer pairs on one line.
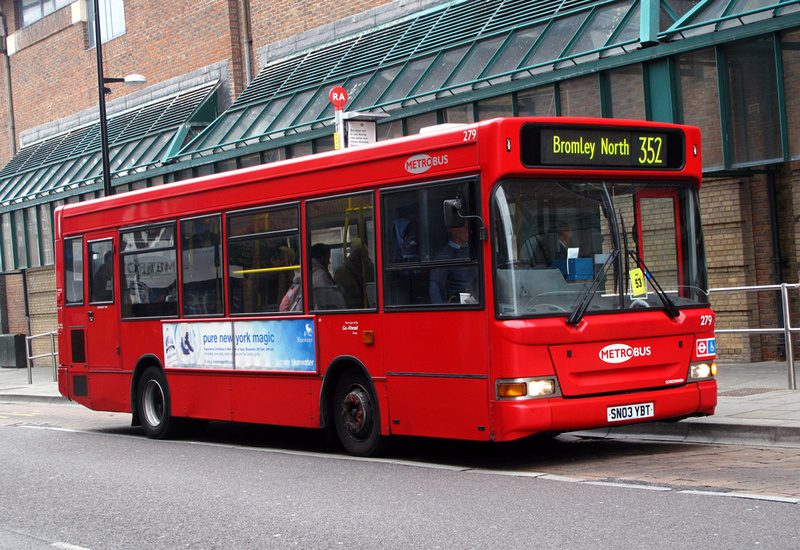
[[630, 412]]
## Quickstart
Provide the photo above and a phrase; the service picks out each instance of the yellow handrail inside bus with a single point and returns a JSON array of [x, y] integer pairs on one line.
[[266, 269]]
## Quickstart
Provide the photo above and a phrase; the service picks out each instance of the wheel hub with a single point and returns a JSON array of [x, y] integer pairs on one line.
[[357, 413]]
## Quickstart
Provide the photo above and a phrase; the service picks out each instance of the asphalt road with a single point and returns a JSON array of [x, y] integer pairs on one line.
[[72, 479]]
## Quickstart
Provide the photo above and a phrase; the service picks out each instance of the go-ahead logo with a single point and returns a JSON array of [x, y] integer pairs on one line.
[[619, 353], [420, 163]]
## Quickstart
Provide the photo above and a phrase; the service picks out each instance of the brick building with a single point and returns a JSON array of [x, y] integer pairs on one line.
[[238, 82]]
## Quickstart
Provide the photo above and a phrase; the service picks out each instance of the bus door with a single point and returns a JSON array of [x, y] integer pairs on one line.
[[101, 316], [435, 325]]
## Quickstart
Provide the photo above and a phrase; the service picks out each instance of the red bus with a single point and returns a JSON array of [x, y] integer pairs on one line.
[[480, 282]]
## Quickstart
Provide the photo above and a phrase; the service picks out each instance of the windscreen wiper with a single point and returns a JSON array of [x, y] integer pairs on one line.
[[580, 311], [669, 306]]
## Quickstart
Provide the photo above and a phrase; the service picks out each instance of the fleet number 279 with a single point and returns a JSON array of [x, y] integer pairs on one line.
[[650, 150]]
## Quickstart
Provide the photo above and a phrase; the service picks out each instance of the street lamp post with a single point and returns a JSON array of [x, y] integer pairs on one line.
[[101, 92]]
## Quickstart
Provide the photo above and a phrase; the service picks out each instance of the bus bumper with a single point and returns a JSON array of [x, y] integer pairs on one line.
[[516, 419]]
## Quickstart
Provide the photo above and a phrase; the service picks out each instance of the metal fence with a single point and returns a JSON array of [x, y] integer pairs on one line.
[[786, 330], [29, 351]]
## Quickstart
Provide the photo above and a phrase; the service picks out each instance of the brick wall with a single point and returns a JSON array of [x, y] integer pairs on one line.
[[277, 20], [725, 206], [15, 303], [54, 73]]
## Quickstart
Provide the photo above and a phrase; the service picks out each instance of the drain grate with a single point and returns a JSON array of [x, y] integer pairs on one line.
[[744, 392]]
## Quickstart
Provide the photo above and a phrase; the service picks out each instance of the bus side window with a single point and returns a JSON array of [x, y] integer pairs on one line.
[[73, 271], [341, 233], [263, 258], [201, 266], [149, 261]]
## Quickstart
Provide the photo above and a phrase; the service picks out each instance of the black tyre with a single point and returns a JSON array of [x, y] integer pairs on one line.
[[154, 405], [356, 415]]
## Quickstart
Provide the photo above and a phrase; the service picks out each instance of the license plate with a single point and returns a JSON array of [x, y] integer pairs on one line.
[[630, 412]]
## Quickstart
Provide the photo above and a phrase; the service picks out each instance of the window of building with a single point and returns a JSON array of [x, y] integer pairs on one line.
[[539, 101], [201, 266], [790, 47], [19, 236], [580, 97], [149, 272], [112, 20], [460, 114], [495, 107], [33, 10], [32, 234], [626, 92], [263, 258], [426, 263], [416, 123], [46, 223], [700, 101], [755, 133]]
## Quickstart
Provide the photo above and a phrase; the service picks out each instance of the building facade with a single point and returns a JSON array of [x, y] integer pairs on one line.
[[240, 82]]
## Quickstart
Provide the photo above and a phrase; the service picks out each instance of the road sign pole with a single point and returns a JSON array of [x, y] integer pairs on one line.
[[338, 97]]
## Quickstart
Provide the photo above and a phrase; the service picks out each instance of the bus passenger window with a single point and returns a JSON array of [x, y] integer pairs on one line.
[[149, 272], [341, 232], [73, 271], [201, 266], [426, 263], [263, 259], [101, 272]]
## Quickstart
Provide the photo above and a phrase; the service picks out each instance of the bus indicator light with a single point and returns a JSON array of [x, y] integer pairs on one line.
[[514, 389]]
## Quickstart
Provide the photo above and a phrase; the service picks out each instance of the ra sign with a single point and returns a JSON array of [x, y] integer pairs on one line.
[[338, 97]]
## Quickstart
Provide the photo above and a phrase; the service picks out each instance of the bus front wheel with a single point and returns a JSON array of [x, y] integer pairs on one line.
[[356, 415], [154, 404]]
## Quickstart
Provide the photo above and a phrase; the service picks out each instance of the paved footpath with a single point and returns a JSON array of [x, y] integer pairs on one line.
[[755, 407]]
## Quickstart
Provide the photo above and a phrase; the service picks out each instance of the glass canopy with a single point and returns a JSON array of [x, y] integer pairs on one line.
[[454, 49], [138, 138]]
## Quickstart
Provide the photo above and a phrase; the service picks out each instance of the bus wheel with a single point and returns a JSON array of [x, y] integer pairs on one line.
[[154, 407], [356, 415]]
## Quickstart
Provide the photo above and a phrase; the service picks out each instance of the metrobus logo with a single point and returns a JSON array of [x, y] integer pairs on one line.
[[421, 163], [619, 353]]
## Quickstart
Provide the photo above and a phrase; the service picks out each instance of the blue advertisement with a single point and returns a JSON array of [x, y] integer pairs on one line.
[[271, 345]]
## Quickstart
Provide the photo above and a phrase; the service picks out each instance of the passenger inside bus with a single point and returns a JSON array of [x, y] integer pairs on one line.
[[453, 284], [353, 276], [326, 294]]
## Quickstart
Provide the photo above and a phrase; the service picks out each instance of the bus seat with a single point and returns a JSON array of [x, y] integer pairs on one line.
[[328, 297]]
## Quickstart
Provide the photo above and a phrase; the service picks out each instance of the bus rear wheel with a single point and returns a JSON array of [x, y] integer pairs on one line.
[[356, 415], [154, 404]]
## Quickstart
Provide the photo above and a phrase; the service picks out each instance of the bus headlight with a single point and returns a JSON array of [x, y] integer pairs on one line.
[[527, 388], [702, 370]]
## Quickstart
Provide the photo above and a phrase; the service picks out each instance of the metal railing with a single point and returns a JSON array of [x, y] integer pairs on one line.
[[786, 330], [29, 352]]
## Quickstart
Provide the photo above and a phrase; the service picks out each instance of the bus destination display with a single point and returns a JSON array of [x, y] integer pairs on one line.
[[558, 146]]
